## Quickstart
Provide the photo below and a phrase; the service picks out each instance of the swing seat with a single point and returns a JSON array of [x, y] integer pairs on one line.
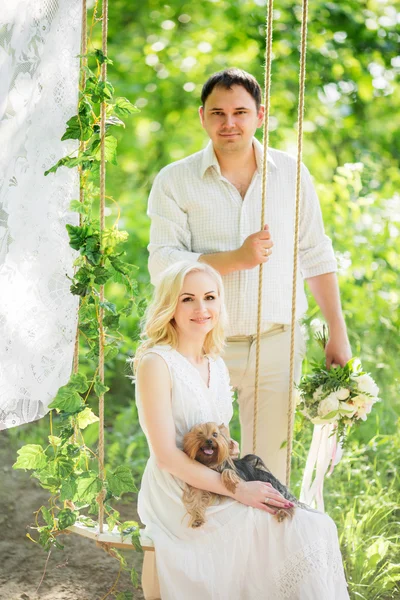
[[112, 537]]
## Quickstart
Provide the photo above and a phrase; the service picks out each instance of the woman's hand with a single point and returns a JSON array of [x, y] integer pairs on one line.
[[260, 495], [234, 449]]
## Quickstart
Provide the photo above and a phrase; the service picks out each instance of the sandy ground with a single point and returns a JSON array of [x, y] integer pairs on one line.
[[79, 572]]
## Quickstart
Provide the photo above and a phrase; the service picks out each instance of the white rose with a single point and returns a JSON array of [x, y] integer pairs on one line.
[[362, 413], [342, 393], [317, 326], [317, 395], [347, 409], [367, 385], [360, 400], [328, 405], [356, 365]]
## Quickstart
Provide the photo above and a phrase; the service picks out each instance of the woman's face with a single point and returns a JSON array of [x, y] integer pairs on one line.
[[199, 305]]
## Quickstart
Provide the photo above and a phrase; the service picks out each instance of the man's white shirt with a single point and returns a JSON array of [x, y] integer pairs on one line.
[[194, 210]]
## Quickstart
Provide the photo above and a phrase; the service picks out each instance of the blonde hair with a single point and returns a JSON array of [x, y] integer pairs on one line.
[[158, 326]]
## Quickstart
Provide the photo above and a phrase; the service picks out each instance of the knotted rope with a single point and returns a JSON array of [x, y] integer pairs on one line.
[[267, 87], [302, 79], [104, 30]]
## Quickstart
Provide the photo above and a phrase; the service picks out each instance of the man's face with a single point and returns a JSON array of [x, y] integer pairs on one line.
[[230, 118]]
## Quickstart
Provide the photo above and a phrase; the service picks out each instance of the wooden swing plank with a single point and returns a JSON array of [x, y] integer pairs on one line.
[[112, 538]]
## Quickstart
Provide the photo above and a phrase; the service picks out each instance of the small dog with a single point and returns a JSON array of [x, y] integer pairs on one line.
[[209, 444]]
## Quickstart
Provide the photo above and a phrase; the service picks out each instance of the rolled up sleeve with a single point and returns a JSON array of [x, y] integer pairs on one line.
[[316, 253], [170, 237]]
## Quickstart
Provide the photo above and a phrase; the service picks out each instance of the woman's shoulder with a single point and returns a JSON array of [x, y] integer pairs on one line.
[[153, 362]]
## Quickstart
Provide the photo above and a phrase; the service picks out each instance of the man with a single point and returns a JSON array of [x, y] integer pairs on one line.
[[207, 208]]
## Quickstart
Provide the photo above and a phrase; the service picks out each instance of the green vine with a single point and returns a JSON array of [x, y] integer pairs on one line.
[[66, 466]]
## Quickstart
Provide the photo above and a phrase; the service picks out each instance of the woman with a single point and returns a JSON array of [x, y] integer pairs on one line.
[[242, 552]]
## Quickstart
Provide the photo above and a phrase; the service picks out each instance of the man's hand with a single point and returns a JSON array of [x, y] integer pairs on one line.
[[337, 350], [256, 249]]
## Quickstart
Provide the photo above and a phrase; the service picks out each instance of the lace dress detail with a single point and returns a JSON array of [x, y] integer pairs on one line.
[[240, 553], [39, 48], [309, 561]]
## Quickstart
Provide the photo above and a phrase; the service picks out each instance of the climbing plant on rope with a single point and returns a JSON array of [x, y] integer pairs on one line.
[[66, 467]]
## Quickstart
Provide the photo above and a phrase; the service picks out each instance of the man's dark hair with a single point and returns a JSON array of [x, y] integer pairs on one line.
[[227, 79]]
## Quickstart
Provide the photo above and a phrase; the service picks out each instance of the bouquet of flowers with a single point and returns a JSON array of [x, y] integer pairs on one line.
[[333, 400], [341, 395]]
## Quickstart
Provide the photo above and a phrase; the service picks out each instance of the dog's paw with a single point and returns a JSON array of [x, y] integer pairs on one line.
[[197, 523], [284, 513]]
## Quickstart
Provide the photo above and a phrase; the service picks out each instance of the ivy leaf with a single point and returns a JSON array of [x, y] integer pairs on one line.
[[124, 596], [127, 309], [110, 150], [112, 519], [79, 207], [109, 306], [67, 161], [112, 120], [111, 321], [45, 538], [78, 128], [31, 456], [111, 351], [121, 481], [47, 516], [79, 289], [78, 382], [123, 107], [99, 387], [77, 235], [54, 440], [134, 577], [68, 489], [101, 275], [92, 249], [85, 418], [63, 467], [88, 486], [66, 518], [100, 91], [67, 400], [101, 57]]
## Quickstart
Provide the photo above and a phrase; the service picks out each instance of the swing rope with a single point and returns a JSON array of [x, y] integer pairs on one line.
[[104, 32], [267, 87], [82, 145]]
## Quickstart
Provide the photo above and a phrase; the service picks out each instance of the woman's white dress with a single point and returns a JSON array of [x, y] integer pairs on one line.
[[241, 553]]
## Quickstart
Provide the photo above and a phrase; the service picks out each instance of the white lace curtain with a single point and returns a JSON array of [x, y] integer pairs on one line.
[[39, 69]]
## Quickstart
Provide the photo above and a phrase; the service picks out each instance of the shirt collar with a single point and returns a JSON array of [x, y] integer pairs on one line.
[[210, 160]]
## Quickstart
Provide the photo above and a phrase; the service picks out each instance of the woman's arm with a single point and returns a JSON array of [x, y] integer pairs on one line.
[[154, 385]]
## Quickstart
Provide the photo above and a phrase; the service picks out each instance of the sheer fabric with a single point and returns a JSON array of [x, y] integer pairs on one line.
[[39, 66]]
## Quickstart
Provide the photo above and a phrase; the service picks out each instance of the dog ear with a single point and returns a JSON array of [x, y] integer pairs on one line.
[[224, 430]]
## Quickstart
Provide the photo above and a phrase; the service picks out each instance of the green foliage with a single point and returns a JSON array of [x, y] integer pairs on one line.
[[121, 481]]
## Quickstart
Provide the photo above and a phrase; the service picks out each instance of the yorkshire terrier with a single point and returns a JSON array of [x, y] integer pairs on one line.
[[209, 444]]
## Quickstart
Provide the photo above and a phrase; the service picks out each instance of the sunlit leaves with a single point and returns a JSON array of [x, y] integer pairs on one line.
[[123, 107], [121, 481], [88, 486], [30, 456]]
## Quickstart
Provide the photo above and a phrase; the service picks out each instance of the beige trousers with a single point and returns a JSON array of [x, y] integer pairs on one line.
[[273, 398], [273, 402]]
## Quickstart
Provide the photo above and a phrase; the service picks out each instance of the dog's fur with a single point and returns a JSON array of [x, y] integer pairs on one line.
[[209, 444]]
